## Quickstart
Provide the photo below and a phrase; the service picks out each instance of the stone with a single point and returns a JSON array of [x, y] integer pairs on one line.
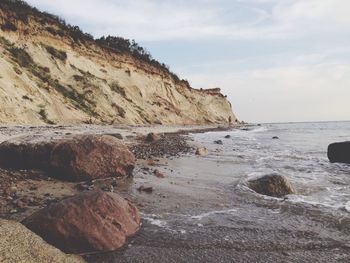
[[339, 152], [89, 222], [220, 142], [142, 188], [85, 158], [275, 137], [274, 185], [227, 136], [202, 151], [25, 154], [116, 135], [152, 137], [159, 174], [19, 244]]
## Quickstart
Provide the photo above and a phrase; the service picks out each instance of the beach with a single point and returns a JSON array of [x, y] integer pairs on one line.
[[200, 209]]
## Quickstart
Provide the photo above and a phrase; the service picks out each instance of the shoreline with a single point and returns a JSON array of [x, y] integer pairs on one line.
[[191, 215]]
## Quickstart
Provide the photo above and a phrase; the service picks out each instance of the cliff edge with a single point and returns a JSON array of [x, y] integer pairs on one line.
[[53, 73]]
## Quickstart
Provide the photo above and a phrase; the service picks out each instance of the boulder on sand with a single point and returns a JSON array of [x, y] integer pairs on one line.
[[19, 244], [152, 137], [25, 154], [90, 222], [91, 157], [339, 152], [272, 185]]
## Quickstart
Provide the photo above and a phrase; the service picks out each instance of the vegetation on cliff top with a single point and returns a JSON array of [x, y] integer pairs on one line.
[[22, 11]]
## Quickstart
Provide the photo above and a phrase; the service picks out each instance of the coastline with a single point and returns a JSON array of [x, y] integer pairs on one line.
[[189, 215]]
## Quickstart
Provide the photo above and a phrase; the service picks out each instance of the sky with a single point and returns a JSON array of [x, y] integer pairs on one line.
[[276, 60]]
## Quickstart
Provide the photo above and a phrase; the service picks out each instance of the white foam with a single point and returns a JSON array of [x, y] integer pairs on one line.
[[201, 216]]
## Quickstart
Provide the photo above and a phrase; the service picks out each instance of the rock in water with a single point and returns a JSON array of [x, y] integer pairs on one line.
[[339, 152], [220, 142], [202, 151], [19, 244], [272, 185], [90, 222], [91, 157]]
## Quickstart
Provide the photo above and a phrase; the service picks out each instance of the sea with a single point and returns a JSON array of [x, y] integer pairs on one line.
[[218, 218]]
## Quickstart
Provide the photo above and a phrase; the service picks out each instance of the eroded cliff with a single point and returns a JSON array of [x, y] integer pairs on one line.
[[53, 73]]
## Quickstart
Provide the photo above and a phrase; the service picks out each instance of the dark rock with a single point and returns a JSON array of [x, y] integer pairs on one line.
[[219, 142], [90, 222], [152, 137], [85, 158], [275, 137], [272, 185], [227, 136], [145, 189], [25, 154], [159, 174], [339, 152]]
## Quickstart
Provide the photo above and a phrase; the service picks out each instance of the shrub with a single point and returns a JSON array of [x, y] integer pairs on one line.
[[25, 97], [61, 55], [118, 89], [8, 26], [44, 117], [21, 56]]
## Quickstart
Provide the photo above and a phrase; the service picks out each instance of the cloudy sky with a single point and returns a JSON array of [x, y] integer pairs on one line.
[[277, 60]]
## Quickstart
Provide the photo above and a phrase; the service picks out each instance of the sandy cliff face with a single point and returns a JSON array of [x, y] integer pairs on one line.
[[48, 77]]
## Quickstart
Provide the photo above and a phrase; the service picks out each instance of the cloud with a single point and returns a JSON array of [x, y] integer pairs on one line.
[[154, 20], [290, 93]]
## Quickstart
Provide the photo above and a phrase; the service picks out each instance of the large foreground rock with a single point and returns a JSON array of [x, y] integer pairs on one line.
[[90, 222], [339, 152], [18, 244], [78, 158], [272, 185], [91, 157], [26, 153]]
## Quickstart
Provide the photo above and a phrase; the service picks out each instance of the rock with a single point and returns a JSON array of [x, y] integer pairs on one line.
[[145, 189], [90, 222], [272, 185], [25, 154], [275, 137], [339, 152], [19, 244], [151, 162], [219, 142], [227, 136], [152, 137], [116, 135], [159, 174], [202, 151], [85, 158]]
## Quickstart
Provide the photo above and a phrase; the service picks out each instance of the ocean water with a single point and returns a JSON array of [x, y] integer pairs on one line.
[[219, 219], [300, 154]]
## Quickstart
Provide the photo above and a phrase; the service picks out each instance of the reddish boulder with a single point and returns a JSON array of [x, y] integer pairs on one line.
[[27, 153], [90, 222], [91, 157]]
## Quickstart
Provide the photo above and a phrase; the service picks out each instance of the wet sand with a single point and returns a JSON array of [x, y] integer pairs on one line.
[[196, 213]]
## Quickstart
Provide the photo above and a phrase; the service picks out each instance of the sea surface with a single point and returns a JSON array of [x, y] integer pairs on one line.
[[300, 154], [208, 214]]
